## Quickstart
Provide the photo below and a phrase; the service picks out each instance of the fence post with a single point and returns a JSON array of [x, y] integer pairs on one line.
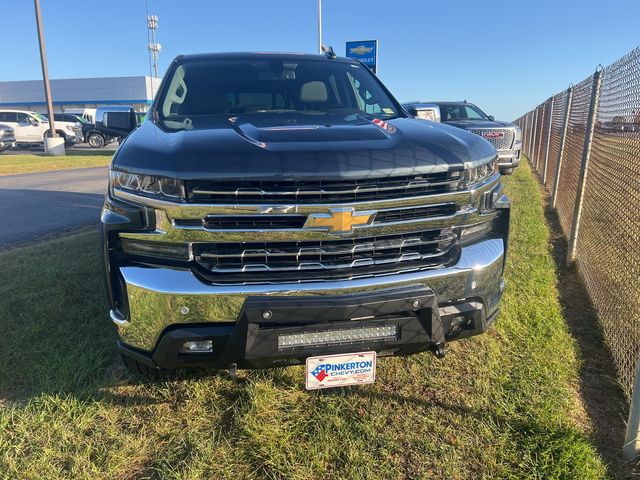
[[540, 137], [584, 166], [525, 130], [563, 137], [631, 447], [530, 142], [546, 150], [533, 136]]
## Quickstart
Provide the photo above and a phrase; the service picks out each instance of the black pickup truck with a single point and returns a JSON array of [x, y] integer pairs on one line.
[[277, 209]]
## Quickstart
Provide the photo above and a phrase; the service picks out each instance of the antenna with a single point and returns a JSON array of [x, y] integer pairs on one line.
[[328, 51], [153, 46]]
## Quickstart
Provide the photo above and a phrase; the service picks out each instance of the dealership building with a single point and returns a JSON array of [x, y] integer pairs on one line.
[[79, 92]]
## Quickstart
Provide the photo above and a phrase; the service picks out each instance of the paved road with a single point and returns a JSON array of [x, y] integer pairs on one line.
[[36, 204]]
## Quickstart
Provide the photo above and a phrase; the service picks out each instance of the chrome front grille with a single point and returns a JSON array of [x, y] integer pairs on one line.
[[319, 191], [7, 133], [257, 262], [500, 138], [238, 240], [297, 221]]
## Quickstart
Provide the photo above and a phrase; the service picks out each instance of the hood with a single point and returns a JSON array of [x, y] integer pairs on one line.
[[470, 124], [296, 146]]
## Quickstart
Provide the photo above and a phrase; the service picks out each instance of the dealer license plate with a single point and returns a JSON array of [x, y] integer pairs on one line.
[[342, 370]]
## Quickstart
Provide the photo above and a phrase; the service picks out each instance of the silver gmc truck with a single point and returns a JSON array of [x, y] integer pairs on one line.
[[7, 137], [281, 209], [506, 137]]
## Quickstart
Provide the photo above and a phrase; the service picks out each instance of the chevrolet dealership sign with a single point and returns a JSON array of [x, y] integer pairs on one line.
[[366, 51]]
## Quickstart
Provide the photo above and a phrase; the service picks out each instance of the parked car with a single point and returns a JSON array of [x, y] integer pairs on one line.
[[7, 137], [277, 209], [506, 137], [112, 123], [31, 127], [71, 118]]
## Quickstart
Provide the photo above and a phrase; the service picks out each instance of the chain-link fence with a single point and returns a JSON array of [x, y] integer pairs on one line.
[[585, 145]]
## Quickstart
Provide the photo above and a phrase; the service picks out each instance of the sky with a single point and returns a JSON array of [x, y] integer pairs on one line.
[[505, 56]]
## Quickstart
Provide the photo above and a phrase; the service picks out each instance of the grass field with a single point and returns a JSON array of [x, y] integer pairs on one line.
[[14, 164], [502, 405]]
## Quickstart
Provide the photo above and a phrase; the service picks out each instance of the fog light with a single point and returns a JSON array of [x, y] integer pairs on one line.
[[473, 232], [338, 336], [198, 346]]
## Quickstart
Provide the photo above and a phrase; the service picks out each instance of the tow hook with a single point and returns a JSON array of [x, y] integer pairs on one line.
[[439, 350]]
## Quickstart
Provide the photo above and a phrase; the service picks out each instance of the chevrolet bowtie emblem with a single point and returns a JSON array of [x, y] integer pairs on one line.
[[360, 50], [339, 220]]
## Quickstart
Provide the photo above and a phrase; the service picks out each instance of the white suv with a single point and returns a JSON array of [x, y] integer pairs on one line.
[[31, 127]]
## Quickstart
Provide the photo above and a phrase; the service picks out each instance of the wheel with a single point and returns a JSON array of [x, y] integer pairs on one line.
[[95, 140], [138, 369], [507, 171]]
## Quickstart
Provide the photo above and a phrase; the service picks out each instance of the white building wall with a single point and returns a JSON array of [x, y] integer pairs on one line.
[[80, 92]]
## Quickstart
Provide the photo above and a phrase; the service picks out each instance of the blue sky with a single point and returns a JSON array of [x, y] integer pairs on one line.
[[506, 56]]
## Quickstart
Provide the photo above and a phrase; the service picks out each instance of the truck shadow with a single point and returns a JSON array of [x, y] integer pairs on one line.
[[602, 395]]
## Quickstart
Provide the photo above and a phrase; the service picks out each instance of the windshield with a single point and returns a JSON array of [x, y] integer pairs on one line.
[[464, 111], [234, 87], [77, 118]]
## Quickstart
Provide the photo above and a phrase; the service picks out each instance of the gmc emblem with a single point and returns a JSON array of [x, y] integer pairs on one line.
[[492, 134]]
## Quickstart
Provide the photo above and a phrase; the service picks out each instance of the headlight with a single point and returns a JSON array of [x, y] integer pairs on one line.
[[1, 132], [69, 127], [518, 135], [478, 174], [146, 185]]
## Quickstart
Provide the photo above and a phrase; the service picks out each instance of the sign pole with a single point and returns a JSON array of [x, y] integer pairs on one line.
[[320, 26], [51, 145]]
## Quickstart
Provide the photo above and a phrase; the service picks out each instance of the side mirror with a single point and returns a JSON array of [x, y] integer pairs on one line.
[[491, 117], [34, 122], [411, 111]]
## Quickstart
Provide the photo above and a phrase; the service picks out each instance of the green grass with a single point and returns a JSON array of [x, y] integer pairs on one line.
[[501, 405], [14, 164]]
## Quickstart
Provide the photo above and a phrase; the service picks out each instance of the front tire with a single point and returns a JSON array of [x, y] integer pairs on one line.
[[95, 140]]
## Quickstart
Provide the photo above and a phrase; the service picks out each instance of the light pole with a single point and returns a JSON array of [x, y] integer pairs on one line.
[[319, 26], [52, 144]]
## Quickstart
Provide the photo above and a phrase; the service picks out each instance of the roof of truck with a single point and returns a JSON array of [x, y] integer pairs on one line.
[[262, 56]]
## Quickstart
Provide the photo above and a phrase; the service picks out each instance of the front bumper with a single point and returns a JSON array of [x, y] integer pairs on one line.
[[509, 158], [169, 306], [7, 141]]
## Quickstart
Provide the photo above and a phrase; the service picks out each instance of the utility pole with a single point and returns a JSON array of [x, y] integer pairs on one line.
[[320, 26], [51, 146]]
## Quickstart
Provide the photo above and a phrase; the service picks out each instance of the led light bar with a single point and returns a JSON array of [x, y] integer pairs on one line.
[[345, 335]]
